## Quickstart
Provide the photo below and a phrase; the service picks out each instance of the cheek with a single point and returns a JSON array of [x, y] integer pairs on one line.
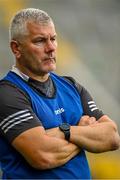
[[37, 52], [33, 54]]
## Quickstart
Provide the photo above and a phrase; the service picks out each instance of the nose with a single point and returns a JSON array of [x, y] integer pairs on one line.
[[50, 46]]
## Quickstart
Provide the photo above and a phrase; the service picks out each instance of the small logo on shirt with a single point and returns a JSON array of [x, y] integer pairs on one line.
[[59, 111]]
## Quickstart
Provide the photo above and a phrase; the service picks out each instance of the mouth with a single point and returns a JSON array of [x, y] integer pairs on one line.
[[50, 59]]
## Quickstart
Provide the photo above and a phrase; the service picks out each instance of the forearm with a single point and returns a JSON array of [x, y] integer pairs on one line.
[[42, 151], [96, 137], [62, 155], [67, 150], [59, 152]]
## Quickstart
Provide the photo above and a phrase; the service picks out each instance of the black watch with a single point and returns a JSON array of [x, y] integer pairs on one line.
[[65, 128]]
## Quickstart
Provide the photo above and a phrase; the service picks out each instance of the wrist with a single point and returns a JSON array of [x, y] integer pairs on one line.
[[65, 128], [74, 134]]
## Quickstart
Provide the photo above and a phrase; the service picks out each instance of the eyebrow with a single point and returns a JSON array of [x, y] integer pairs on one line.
[[43, 37]]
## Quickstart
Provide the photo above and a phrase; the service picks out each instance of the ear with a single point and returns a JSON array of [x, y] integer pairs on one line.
[[15, 47]]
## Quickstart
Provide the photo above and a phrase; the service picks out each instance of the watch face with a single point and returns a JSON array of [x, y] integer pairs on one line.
[[65, 126]]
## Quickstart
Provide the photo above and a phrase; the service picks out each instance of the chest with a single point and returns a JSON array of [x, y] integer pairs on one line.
[[64, 107]]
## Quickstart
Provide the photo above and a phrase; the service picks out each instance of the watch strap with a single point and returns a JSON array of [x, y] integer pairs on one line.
[[67, 135]]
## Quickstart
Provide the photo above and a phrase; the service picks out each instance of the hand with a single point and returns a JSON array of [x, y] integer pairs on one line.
[[87, 120]]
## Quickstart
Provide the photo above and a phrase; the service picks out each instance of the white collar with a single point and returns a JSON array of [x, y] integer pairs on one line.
[[19, 73]]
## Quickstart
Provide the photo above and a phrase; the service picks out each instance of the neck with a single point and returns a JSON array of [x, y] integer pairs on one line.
[[40, 77]]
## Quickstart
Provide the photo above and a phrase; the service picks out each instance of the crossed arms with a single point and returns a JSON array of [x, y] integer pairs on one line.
[[46, 149]]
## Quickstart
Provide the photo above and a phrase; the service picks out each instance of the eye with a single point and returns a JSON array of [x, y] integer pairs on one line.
[[39, 41], [53, 39]]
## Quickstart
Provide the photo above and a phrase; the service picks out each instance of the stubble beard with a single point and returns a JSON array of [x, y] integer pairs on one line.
[[43, 67]]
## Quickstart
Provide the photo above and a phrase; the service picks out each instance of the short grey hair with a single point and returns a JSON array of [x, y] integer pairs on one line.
[[18, 23]]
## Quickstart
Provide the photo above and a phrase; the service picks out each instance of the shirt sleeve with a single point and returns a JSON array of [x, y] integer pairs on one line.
[[16, 114], [89, 106]]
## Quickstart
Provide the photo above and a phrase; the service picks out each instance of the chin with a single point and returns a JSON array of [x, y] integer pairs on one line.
[[51, 68]]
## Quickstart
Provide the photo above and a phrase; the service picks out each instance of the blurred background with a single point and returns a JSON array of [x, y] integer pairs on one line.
[[89, 50]]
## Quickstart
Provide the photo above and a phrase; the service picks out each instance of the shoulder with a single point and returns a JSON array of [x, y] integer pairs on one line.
[[11, 98], [77, 85], [7, 90], [80, 88], [89, 106]]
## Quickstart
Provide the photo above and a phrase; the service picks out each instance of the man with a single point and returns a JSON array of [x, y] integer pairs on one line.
[[46, 121]]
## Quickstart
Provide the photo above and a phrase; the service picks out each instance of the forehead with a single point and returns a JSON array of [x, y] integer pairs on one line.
[[41, 28]]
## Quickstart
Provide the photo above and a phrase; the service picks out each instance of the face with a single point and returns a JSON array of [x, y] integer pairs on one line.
[[37, 52]]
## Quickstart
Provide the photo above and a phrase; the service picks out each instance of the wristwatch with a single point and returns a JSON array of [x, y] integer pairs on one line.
[[65, 128]]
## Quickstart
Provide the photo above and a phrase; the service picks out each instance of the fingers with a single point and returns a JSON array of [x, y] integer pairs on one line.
[[92, 120], [86, 120]]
